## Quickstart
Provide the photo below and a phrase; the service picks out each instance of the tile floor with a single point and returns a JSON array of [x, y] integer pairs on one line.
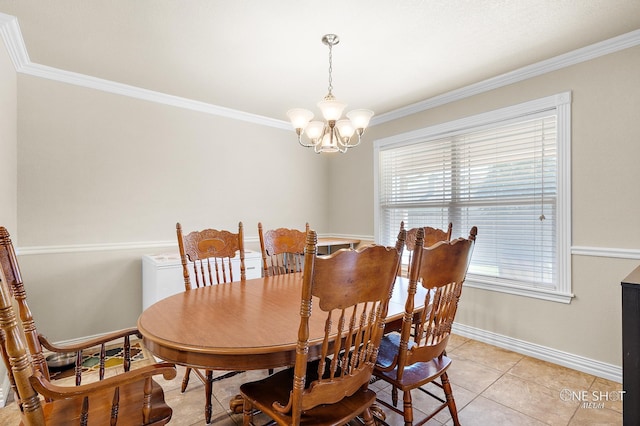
[[492, 387]]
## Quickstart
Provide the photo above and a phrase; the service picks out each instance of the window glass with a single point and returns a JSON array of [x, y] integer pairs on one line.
[[500, 174]]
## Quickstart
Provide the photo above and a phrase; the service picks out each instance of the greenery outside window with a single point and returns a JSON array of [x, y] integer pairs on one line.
[[506, 172]]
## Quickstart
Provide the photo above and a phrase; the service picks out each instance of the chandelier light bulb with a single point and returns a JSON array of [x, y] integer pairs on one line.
[[331, 109], [345, 128], [299, 117], [360, 118], [314, 130]]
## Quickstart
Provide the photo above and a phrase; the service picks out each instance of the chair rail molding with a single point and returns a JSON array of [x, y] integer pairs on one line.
[[610, 252], [137, 245], [619, 253]]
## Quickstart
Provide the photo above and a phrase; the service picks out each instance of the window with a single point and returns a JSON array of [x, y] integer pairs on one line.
[[506, 172]]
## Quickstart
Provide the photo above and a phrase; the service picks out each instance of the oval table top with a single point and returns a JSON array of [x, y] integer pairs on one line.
[[244, 325]]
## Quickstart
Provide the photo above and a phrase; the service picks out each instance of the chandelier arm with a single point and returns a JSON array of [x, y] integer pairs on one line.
[[310, 145], [357, 143], [307, 145], [346, 143]]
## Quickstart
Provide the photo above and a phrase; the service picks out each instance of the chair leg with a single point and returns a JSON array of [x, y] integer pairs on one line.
[[208, 390], [407, 408], [451, 402], [247, 413], [394, 396], [368, 418], [185, 380]]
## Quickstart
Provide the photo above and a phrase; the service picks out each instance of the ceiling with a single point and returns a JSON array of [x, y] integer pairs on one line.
[[264, 57]]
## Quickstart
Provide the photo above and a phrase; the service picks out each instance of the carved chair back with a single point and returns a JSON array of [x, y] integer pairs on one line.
[[282, 250], [351, 290], [431, 236], [207, 256], [441, 269]]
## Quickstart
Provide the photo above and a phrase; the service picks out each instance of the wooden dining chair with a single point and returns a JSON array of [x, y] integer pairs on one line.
[[349, 291], [431, 236], [416, 356], [207, 256], [207, 259], [282, 250], [128, 398]]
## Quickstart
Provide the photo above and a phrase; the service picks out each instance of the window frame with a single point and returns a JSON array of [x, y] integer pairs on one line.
[[560, 105]]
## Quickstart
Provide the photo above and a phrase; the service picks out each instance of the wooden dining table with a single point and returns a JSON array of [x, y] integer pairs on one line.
[[244, 325]]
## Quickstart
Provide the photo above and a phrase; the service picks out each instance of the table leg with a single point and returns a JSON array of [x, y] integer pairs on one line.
[[208, 390]]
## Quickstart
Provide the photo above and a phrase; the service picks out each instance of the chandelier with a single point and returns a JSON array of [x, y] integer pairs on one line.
[[334, 134]]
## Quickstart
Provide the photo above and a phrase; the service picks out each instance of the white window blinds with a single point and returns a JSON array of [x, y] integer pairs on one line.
[[501, 177]]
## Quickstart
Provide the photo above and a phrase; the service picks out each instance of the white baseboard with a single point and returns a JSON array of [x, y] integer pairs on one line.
[[576, 362]]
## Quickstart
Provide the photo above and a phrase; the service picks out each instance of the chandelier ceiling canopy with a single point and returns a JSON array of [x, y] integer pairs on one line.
[[335, 134]]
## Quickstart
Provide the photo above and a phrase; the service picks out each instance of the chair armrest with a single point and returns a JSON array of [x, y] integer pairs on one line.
[[47, 389], [96, 341]]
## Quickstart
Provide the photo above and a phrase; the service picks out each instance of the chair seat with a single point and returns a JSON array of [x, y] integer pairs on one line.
[[67, 411], [414, 375], [276, 388]]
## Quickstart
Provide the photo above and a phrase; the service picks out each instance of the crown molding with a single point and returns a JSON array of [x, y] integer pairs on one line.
[[83, 80], [12, 37], [587, 53]]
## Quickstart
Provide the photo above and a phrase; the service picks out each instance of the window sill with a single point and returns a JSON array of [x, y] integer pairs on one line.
[[537, 293]]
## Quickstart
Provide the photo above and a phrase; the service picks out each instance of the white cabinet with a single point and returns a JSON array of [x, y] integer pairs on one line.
[[162, 274]]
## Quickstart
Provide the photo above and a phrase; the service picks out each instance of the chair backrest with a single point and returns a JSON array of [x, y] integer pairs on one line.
[[441, 269], [17, 359], [282, 250], [350, 290], [431, 236], [207, 256], [11, 269]]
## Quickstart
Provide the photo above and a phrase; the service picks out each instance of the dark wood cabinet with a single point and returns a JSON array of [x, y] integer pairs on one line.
[[631, 348]]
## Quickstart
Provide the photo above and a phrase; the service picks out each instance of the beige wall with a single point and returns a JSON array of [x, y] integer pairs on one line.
[[605, 203], [8, 142], [96, 168]]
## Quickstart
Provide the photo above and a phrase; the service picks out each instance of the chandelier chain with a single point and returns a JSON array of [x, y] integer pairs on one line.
[[330, 95]]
